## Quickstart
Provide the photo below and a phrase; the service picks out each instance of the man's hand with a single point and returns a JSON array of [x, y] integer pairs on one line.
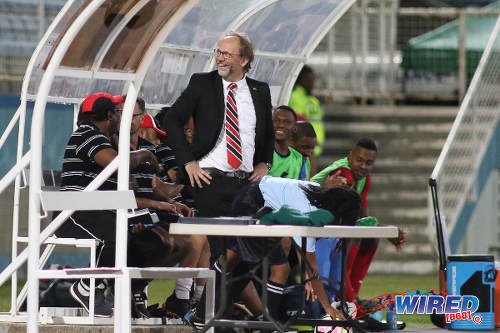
[[310, 294], [334, 313], [165, 191], [140, 156], [398, 241], [334, 179], [183, 209], [162, 205], [197, 174], [259, 171]]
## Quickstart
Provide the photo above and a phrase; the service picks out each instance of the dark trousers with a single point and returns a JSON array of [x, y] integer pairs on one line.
[[216, 200]]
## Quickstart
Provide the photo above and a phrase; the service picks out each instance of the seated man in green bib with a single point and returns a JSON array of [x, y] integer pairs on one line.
[[287, 162]]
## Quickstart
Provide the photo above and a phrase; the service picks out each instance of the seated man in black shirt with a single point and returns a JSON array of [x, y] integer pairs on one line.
[[88, 152], [150, 193]]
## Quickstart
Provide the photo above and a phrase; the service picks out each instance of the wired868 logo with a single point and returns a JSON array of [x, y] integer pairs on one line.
[[429, 301], [453, 307]]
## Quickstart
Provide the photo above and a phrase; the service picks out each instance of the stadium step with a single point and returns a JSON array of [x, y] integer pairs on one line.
[[409, 141]]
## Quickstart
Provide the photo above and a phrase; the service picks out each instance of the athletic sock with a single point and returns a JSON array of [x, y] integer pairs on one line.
[[198, 290], [200, 308], [361, 266], [275, 301], [183, 287]]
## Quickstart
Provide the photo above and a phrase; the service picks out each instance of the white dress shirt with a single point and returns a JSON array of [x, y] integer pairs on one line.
[[217, 157]]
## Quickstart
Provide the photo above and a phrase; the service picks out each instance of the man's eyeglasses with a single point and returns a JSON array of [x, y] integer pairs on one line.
[[133, 115], [224, 54]]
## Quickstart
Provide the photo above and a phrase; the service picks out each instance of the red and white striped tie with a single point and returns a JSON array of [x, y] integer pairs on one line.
[[233, 139]]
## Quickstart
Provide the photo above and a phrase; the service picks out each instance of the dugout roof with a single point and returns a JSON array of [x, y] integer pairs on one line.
[[119, 40]]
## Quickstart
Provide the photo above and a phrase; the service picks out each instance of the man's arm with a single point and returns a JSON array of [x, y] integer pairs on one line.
[[156, 204], [174, 121], [261, 168], [319, 289], [323, 174], [177, 116], [166, 191], [105, 156]]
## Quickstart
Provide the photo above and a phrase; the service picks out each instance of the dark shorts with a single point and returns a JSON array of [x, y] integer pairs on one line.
[[251, 249]]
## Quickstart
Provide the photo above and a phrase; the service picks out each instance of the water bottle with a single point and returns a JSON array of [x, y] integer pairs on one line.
[[392, 320], [377, 315]]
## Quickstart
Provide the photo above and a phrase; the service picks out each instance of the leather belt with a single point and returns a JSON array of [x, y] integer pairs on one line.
[[214, 172]]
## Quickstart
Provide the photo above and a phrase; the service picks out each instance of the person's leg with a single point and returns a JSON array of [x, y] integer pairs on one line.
[[178, 302], [99, 225], [252, 250], [250, 297], [324, 249], [351, 258], [203, 262], [152, 248], [362, 263], [275, 291], [232, 262]]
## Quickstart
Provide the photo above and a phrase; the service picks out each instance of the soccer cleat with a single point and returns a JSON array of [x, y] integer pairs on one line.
[[177, 305], [81, 293], [139, 309], [193, 320]]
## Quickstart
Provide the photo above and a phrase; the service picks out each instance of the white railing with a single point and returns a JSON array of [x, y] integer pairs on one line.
[[457, 167]]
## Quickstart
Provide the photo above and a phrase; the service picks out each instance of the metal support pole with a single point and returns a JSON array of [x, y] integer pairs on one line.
[[392, 46], [354, 47], [381, 49], [331, 51], [462, 54], [364, 49]]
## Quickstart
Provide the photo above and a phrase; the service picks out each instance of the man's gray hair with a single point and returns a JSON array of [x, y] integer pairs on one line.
[[246, 48]]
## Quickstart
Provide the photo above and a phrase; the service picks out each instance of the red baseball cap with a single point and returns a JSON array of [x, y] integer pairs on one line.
[[150, 122], [99, 104]]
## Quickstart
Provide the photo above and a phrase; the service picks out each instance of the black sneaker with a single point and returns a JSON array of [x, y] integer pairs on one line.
[[373, 325], [81, 293], [192, 319], [177, 305], [139, 309]]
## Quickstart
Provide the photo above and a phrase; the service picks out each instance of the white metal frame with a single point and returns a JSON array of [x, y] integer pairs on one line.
[[122, 320]]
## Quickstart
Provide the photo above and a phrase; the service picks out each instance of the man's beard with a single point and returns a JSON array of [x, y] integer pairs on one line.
[[224, 73]]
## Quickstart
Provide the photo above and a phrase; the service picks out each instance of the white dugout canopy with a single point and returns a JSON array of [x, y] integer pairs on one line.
[[160, 43], [146, 48]]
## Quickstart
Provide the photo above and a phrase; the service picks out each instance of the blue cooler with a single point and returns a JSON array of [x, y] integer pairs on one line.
[[473, 275]]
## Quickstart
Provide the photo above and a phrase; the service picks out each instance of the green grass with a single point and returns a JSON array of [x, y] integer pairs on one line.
[[375, 285], [5, 295], [159, 290]]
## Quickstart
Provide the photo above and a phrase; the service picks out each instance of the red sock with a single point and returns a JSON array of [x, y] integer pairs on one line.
[[361, 265], [351, 258]]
